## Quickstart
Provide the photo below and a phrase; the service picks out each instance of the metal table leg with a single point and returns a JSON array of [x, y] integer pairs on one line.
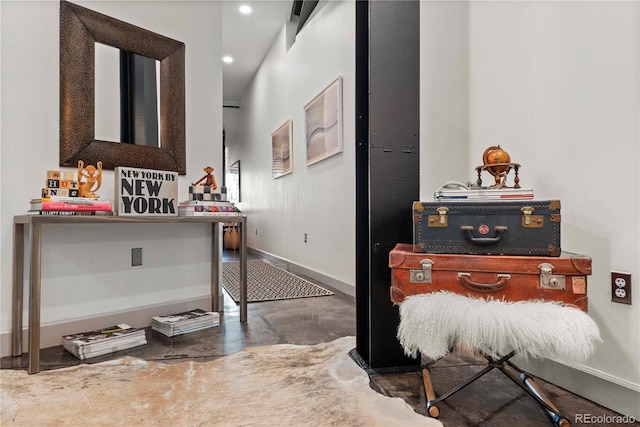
[[35, 243], [17, 304], [243, 271], [216, 254]]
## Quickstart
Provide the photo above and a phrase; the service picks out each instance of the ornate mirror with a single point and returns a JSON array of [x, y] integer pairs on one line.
[[80, 30]]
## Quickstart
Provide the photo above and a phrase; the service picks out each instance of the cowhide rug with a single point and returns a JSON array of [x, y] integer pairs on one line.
[[280, 385]]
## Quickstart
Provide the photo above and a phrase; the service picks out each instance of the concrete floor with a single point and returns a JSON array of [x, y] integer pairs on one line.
[[493, 400]]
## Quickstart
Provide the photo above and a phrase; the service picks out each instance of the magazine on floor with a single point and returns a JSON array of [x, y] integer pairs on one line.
[[104, 341], [185, 322]]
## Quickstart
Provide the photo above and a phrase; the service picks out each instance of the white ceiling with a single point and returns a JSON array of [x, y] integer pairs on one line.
[[247, 39]]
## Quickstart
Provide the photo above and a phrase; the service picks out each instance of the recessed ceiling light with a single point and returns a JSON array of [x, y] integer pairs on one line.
[[245, 9], [227, 59]]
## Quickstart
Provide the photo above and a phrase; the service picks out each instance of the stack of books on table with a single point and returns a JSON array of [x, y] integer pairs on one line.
[[483, 194], [70, 206], [183, 323], [104, 341], [207, 208]]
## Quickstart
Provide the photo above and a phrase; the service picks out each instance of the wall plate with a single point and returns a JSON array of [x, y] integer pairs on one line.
[[136, 257], [621, 287]]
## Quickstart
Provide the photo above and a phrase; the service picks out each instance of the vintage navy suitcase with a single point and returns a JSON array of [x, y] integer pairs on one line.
[[527, 227], [504, 277]]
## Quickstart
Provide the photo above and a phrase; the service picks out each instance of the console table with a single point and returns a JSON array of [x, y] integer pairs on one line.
[[34, 224]]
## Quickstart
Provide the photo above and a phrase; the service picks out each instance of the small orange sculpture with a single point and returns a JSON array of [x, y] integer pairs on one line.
[[209, 179], [93, 178]]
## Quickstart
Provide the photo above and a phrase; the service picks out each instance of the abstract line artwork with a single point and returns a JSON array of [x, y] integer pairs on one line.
[[323, 118], [281, 150]]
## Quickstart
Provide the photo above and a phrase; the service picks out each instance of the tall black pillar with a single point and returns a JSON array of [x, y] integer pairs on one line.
[[387, 165]]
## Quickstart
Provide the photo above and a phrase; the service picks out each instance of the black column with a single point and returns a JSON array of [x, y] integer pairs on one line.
[[387, 165]]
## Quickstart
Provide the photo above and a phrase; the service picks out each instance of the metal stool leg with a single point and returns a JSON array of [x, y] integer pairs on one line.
[[432, 400], [432, 409], [524, 381]]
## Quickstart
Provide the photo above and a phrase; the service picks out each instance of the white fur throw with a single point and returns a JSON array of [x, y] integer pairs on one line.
[[437, 322]]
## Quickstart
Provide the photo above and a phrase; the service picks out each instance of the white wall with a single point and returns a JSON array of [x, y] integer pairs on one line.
[[318, 200], [86, 270], [444, 95], [556, 84]]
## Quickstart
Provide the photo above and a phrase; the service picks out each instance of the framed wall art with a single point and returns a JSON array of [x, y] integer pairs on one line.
[[281, 147], [323, 120]]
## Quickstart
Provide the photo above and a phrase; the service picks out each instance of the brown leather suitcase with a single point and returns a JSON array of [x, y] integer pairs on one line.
[[512, 278]]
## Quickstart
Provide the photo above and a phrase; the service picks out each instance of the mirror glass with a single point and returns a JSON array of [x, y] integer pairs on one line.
[[107, 93], [233, 183], [127, 95], [83, 135]]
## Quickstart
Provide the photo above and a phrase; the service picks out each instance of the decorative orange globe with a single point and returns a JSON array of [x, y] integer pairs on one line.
[[497, 162], [496, 155]]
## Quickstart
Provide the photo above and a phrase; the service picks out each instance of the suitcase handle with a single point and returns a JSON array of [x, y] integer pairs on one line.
[[483, 241], [465, 279]]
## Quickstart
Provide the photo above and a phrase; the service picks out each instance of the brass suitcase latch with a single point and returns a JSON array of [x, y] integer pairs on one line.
[[531, 221], [423, 275], [441, 219]]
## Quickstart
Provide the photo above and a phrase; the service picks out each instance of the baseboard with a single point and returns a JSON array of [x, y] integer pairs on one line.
[[331, 282], [599, 387], [138, 317]]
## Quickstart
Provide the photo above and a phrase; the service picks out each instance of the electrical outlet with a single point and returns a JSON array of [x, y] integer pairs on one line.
[[136, 257], [621, 288], [305, 237]]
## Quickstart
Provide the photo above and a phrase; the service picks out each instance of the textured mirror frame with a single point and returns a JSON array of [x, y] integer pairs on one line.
[[80, 29]]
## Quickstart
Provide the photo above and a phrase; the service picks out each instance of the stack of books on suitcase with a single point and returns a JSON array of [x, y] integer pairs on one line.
[[185, 322], [104, 341], [480, 194]]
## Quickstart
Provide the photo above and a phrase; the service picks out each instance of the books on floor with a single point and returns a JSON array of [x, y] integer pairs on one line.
[[104, 341], [185, 322]]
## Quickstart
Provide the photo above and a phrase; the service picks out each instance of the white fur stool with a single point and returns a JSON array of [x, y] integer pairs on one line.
[[434, 324]]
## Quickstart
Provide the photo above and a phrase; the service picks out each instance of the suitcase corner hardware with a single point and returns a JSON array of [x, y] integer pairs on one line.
[[396, 294], [548, 280], [579, 285], [423, 275], [418, 207], [418, 247], [441, 219]]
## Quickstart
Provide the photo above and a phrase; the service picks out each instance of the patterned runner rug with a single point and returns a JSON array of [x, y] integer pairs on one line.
[[266, 282]]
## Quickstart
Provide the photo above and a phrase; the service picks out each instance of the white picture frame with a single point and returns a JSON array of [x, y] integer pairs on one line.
[[323, 124], [282, 150]]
